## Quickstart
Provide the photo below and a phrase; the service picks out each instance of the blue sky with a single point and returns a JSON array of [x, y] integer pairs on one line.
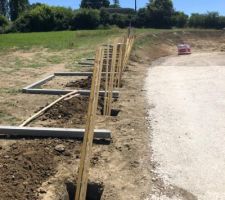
[[188, 6]]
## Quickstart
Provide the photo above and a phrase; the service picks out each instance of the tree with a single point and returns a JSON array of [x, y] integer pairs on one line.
[[44, 18], [116, 4], [142, 18], [104, 17], [160, 13], [212, 20], [86, 19], [179, 19], [94, 4], [4, 8], [17, 7], [3, 21]]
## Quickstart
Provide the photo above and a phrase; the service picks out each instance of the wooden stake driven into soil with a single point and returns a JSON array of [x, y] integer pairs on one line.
[[119, 64], [106, 79], [89, 130], [111, 82]]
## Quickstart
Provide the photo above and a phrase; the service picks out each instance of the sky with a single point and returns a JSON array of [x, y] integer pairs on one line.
[[188, 6]]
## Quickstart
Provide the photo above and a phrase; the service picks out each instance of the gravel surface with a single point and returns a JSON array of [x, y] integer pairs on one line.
[[187, 99]]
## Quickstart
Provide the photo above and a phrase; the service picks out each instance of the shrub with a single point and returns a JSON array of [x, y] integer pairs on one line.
[[159, 14], [141, 19], [3, 21], [104, 17], [44, 18], [120, 20], [209, 20], [86, 19], [62, 18], [179, 19]]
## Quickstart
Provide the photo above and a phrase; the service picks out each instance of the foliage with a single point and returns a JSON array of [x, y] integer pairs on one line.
[[210, 20], [128, 11], [104, 17], [4, 9], [116, 4], [142, 17], [44, 18], [86, 19], [3, 21], [121, 20], [159, 13], [17, 7], [179, 19], [94, 4]]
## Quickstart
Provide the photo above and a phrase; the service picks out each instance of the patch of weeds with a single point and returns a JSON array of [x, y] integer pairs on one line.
[[33, 65], [55, 59], [18, 63], [72, 64], [10, 90], [7, 118]]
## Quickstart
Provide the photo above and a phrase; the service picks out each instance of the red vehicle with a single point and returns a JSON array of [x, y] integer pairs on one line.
[[184, 49]]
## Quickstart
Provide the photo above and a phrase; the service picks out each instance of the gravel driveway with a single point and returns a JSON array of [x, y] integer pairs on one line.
[[187, 99]]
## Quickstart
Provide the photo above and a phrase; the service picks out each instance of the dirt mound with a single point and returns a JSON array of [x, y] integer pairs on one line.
[[67, 108], [25, 166], [84, 84]]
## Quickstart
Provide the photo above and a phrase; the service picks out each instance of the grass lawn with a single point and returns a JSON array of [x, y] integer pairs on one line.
[[58, 40]]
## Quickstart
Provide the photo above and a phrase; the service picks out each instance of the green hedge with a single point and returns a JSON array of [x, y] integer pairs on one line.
[[44, 18]]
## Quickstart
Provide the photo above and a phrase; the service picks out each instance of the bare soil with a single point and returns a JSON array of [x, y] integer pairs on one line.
[[84, 84], [124, 166], [68, 113]]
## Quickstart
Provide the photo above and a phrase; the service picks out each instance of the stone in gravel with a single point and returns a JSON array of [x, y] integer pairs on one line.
[[60, 148], [42, 191]]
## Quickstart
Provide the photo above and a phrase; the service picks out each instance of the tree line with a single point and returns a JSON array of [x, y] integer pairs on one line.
[[21, 16]]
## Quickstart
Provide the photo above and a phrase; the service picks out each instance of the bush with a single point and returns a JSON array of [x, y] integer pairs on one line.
[[62, 18], [221, 24], [141, 20], [197, 20], [120, 20], [3, 21], [179, 19], [44, 18], [104, 17], [128, 11], [210, 20], [86, 19], [159, 14]]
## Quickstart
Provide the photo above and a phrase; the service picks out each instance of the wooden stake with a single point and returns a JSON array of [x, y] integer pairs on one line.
[[106, 81], [89, 130], [111, 81], [120, 65]]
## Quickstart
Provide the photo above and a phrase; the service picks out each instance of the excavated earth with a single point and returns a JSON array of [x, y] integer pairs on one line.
[[68, 113], [84, 84], [42, 168]]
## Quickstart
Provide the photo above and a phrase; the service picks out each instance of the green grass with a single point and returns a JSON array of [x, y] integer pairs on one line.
[[58, 40]]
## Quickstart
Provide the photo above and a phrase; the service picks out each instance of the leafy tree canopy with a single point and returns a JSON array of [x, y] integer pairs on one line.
[[94, 4]]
